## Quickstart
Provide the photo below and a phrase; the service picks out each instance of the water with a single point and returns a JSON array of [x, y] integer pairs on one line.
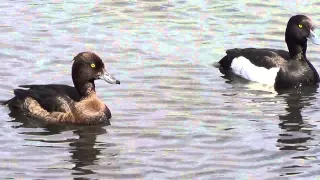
[[174, 115]]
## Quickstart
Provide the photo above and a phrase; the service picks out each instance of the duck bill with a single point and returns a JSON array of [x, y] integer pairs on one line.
[[314, 38], [110, 79]]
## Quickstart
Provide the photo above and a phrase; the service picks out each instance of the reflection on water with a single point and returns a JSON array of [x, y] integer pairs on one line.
[[174, 115], [296, 131], [84, 153], [84, 150]]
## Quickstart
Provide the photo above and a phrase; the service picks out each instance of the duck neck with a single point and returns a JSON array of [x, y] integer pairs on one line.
[[296, 50], [86, 89]]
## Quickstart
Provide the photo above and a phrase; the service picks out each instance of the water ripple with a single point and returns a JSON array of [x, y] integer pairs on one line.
[[174, 115]]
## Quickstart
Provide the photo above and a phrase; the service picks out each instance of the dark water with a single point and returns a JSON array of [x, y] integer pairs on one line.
[[174, 115]]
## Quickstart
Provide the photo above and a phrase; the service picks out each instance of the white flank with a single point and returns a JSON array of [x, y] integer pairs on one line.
[[244, 68]]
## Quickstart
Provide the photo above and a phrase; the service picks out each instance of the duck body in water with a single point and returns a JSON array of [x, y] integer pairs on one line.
[[282, 69], [56, 103]]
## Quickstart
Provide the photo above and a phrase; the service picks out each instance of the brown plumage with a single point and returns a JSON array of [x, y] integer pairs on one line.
[[56, 103]]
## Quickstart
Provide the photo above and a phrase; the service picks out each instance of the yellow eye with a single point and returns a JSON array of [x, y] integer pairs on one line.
[[300, 25], [93, 65]]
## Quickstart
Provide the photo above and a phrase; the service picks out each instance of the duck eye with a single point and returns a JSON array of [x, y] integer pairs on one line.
[[93, 65], [300, 26]]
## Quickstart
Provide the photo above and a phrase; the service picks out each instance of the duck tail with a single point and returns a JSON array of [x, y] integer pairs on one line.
[[19, 94], [4, 102]]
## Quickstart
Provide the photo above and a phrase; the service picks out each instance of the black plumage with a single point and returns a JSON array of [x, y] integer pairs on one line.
[[295, 69]]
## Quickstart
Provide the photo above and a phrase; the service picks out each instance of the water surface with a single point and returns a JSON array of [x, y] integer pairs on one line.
[[174, 115]]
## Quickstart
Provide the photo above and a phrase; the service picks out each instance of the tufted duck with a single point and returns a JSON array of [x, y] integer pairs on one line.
[[279, 68], [56, 103]]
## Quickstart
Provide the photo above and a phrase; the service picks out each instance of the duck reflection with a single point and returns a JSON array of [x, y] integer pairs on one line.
[[295, 133], [296, 130], [83, 150]]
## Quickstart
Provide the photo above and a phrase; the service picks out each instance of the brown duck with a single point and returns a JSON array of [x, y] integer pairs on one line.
[[55, 103]]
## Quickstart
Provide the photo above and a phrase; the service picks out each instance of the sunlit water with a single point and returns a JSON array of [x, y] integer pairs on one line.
[[174, 115]]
